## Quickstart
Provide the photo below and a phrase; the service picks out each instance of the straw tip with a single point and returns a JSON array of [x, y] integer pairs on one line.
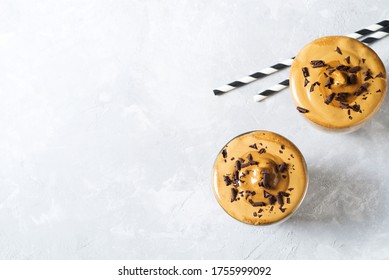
[[259, 98], [218, 92]]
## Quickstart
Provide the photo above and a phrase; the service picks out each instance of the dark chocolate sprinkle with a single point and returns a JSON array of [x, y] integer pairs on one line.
[[343, 67], [368, 75], [342, 96], [378, 90], [305, 72], [258, 204], [262, 150], [266, 194], [282, 209], [317, 63], [352, 79], [250, 157], [238, 165], [363, 60], [329, 82], [380, 75], [234, 193], [227, 180], [271, 208], [255, 214], [284, 194], [354, 69], [347, 59], [362, 89], [254, 146], [272, 200], [313, 86], [288, 200], [280, 199], [306, 82], [224, 153], [332, 70], [290, 189], [236, 175], [338, 50], [283, 146], [329, 98], [266, 180], [325, 75], [356, 107], [302, 110]]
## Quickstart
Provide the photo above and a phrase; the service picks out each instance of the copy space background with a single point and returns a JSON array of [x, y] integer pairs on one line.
[[109, 129]]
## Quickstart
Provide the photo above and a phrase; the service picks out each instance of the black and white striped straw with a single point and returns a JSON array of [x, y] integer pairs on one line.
[[284, 84], [288, 62]]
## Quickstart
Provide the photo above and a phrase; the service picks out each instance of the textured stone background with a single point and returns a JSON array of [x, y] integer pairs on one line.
[[109, 129]]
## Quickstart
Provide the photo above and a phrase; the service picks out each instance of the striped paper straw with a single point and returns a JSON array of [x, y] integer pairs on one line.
[[284, 84], [288, 62]]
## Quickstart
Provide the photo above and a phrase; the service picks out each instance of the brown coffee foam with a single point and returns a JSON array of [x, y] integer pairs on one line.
[[296, 176], [332, 116]]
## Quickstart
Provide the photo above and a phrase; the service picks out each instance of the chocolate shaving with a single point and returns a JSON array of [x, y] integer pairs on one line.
[[332, 70], [234, 193], [356, 108], [258, 204], [338, 50], [238, 165], [266, 194], [280, 199], [329, 98], [302, 110], [236, 175], [347, 59], [272, 200], [266, 181], [227, 180], [380, 75], [249, 157], [368, 75], [362, 89], [284, 194], [254, 146], [342, 96], [352, 79], [262, 150], [354, 69], [306, 82], [305, 72], [325, 75], [342, 67], [224, 153], [317, 63], [329, 82], [282, 209], [313, 86], [282, 167]]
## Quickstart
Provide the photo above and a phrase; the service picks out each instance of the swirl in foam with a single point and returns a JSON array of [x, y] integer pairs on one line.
[[260, 178]]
